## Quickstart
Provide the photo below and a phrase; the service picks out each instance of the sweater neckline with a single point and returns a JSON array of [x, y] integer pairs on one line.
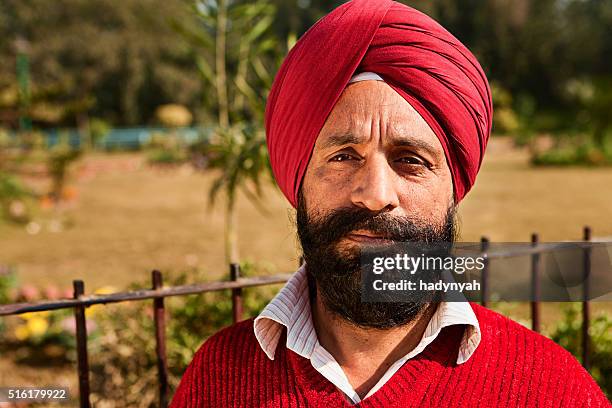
[[412, 378]]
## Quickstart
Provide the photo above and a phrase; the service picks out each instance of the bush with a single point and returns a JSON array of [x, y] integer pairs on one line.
[[579, 154], [121, 337], [32, 140], [161, 156], [7, 284], [569, 335], [13, 197], [5, 139], [166, 148], [505, 120], [45, 336], [60, 157], [123, 361], [98, 129]]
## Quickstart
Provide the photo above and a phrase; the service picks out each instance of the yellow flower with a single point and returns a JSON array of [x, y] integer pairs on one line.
[[37, 326], [104, 290], [22, 332], [31, 315]]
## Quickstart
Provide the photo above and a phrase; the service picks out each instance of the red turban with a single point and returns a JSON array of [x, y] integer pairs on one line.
[[416, 56]]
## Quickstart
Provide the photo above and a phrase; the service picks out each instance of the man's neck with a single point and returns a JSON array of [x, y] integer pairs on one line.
[[366, 354]]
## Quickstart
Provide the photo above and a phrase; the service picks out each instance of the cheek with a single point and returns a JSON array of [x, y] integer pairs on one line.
[[427, 200], [325, 190]]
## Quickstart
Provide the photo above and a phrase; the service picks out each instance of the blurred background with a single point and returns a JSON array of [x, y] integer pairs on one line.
[[131, 139]]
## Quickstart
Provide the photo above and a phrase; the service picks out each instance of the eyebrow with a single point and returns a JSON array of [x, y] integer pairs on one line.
[[341, 139], [415, 143]]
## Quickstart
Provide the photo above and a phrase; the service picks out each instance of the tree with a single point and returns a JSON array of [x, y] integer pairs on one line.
[[239, 153], [237, 57], [115, 60]]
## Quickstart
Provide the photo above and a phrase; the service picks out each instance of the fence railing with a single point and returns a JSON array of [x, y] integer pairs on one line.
[[158, 293]]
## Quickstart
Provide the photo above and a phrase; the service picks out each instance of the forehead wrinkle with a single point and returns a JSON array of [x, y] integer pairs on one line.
[[376, 108], [349, 128], [405, 135], [395, 140]]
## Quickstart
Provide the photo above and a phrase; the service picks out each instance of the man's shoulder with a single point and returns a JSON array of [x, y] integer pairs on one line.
[[513, 336], [218, 367], [242, 330], [533, 362], [228, 341]]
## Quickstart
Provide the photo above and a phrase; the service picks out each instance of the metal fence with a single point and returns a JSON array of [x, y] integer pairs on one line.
[[117, 139], [158, 293]]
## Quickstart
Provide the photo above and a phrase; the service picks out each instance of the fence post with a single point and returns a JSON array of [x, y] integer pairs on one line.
[[236, 293], [160, 340], [484, 247], [81, 334], [586, 319], [535, 285]]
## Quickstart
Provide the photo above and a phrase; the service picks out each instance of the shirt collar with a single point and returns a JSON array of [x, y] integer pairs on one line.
[[290, 309]]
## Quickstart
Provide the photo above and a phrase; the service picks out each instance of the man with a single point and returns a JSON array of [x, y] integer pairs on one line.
[[376, 125]]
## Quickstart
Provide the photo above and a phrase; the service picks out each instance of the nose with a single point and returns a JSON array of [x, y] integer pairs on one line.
[[375, 187]]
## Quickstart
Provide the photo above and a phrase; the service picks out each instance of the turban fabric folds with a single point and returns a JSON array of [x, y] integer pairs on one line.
[[436, 74]]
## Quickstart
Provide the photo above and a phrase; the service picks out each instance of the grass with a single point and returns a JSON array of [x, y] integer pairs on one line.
[[131, 219], [512, 199]]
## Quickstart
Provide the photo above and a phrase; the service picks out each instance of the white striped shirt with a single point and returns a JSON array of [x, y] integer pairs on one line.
[[290, 308]]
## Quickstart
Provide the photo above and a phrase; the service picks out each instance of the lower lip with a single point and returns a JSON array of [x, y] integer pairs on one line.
[[367, 239]]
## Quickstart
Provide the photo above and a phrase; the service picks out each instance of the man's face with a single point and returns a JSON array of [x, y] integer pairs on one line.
[[376, 152], [377, 174]]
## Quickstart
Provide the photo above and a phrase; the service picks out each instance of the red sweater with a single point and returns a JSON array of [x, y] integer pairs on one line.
[[512, 367]]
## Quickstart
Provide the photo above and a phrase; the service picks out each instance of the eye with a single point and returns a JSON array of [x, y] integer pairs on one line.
[[342, 157], [411, 160]]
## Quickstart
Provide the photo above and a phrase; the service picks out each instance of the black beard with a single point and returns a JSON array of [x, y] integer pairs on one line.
[[337, 273]]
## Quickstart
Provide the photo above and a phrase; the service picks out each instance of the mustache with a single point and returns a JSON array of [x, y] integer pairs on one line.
[[335, 225], [342, 221]]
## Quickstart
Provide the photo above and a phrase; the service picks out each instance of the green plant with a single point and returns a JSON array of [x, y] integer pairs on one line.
[[121, 344], [13, 196], [59, 159], [31, 140], [8, 280], [238, 53], [240, 154], [123, 361], [505, 120], [575, 152], [98, 129], [593, 99], [5, 139], [42, 338], [569, 335], [166, 148], [162, 156]]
